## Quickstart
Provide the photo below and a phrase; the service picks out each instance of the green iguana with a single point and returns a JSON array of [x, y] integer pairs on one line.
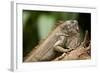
[[64, 38]]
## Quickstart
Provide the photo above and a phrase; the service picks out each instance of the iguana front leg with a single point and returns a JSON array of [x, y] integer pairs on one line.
[[61, 50], [58, 46]]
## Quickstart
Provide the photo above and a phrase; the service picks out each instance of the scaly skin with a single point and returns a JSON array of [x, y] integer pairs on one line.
[[55, 43]]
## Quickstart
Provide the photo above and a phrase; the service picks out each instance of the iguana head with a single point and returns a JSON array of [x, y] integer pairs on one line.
[[70, 27]]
